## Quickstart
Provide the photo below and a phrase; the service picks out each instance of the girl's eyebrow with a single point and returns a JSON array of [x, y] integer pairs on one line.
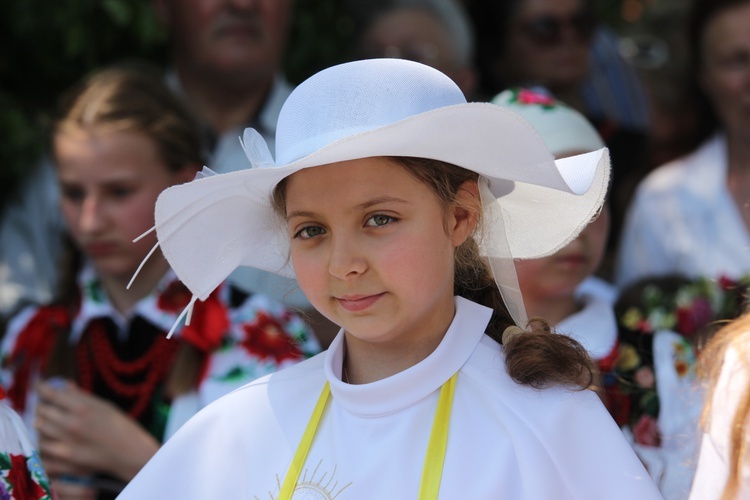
[[298, 213], [379, 200], [361, 206]]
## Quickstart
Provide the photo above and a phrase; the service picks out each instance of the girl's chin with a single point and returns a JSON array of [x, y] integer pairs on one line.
[[115, 271]]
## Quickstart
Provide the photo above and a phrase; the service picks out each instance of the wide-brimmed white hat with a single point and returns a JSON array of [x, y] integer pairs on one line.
[[378, 107]]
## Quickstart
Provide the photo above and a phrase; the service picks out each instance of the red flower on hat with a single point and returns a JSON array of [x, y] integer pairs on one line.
[[527, 96], [22, 486], [266, 338]]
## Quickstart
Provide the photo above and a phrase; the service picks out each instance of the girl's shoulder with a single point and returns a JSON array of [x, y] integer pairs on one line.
[[486, 371], [33, 330], [249, 429], [285, 397], [27, 346]]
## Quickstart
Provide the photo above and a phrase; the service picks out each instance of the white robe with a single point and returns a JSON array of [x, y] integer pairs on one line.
[[595, 325], [505, 440]]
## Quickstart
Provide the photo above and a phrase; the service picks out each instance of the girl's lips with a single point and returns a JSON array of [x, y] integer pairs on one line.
[[358, 303], [572, 261], [100, 249]]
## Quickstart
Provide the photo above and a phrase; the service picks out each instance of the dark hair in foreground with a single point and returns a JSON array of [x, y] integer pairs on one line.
[[538, 357]]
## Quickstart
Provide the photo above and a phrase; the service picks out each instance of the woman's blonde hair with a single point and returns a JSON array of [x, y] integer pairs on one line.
[[735, 335]]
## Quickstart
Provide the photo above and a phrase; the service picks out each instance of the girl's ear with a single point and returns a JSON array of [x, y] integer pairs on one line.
[[465, 212]]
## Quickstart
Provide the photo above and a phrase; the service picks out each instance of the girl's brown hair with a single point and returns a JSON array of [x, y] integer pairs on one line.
[[736, 336], [538, 357], [133, 97]]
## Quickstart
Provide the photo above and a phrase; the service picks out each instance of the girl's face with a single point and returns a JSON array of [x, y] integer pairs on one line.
[[109, 185], [549, 43], [726, 68], [560, 274], [373, 248]]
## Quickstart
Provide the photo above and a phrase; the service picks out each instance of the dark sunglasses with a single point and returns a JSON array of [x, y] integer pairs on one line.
[[547, 30]]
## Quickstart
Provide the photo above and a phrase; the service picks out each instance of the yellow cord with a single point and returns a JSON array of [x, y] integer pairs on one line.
[[432, 472], [295, 468]]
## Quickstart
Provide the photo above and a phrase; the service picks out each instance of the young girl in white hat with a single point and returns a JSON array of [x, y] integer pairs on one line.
[[393, 202]]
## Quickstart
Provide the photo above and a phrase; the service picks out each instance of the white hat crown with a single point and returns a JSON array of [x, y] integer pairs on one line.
[[357, 97]]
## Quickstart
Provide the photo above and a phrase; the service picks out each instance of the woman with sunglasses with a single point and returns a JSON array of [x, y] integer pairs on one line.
[[534, 42]]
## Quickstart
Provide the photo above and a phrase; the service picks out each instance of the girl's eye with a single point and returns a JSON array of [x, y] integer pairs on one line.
[[72, 193], [121, 191], [379, 220], [309, 232]]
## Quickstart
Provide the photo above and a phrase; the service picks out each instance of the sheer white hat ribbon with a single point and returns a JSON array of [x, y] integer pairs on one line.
[[533, 204]]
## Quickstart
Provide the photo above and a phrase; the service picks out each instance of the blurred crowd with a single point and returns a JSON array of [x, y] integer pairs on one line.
[[644, 287]]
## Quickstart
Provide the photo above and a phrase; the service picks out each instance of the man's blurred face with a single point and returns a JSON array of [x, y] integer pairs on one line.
[[236, 40]]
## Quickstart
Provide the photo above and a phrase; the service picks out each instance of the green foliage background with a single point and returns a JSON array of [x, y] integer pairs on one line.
[[46, 46]]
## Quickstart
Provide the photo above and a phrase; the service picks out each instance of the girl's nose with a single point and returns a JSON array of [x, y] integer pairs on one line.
[[91, 219], [346, 259]]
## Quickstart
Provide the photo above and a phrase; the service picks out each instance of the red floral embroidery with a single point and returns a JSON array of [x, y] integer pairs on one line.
[[644, 377], [22, 486], [646, 431], [34, 346], [209, 324], [266, 338], [618, 404], [726, 283], [691, 319], [681, 367], [607, 363], [174, 298]]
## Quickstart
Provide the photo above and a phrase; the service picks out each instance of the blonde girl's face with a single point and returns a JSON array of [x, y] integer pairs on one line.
[[109, 183], [373, 249]]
